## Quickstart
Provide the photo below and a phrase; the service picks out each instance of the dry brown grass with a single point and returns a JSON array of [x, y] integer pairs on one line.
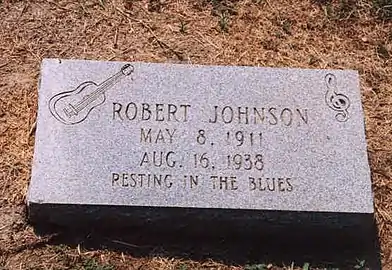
[[316, 34]]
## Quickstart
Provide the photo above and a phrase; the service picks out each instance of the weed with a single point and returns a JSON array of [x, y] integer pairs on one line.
[[313, 60], [182, 267], [92, 264], [256, 267], [348, 9], [286, 25], [221, 6], [382, 52], [102, 3], [344, 10], [383, 9], [155, 5], [328, 10], [306, 266], [128, 4], [183, 27], [279, 34], [59, 248], [360, 265], [223, 9], [224, 22]]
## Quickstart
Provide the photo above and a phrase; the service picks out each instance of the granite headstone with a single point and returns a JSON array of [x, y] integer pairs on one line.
[[135, 143]]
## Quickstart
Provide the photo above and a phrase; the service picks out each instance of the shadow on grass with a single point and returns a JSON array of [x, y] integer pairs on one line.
[[322, 248]]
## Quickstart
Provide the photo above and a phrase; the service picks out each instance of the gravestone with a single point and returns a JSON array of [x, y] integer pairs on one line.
[[134, 144]]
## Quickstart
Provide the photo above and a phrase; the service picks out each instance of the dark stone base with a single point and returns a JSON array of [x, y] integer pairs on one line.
[[191, 219], [346, 227], [273, 235]]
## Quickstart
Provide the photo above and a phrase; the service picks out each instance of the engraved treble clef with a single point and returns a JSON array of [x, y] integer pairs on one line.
[[336, 101]]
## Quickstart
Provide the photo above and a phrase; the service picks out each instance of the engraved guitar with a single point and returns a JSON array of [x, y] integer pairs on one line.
[[72, 107]]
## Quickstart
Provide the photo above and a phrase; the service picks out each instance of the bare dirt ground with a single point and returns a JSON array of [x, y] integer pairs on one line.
[[343, 34]]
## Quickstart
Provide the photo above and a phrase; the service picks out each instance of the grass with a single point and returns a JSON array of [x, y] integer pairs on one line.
[[224, 22], [383, 8], [305, 34], [92, 264], [361, 264], [353, 9], [183, 27], [256, 267], [343, 10]]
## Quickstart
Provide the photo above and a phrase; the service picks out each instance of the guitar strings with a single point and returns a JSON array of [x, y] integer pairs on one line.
[[108, 83]]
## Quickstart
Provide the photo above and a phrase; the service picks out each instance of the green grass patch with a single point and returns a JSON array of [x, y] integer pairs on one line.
[[383, 9], [92, 264]]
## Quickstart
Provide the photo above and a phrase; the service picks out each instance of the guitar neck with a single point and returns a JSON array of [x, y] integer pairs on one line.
[[106, 85], [102, 88]]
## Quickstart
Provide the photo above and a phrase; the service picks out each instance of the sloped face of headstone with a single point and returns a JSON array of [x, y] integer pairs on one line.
[[146, 138]]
